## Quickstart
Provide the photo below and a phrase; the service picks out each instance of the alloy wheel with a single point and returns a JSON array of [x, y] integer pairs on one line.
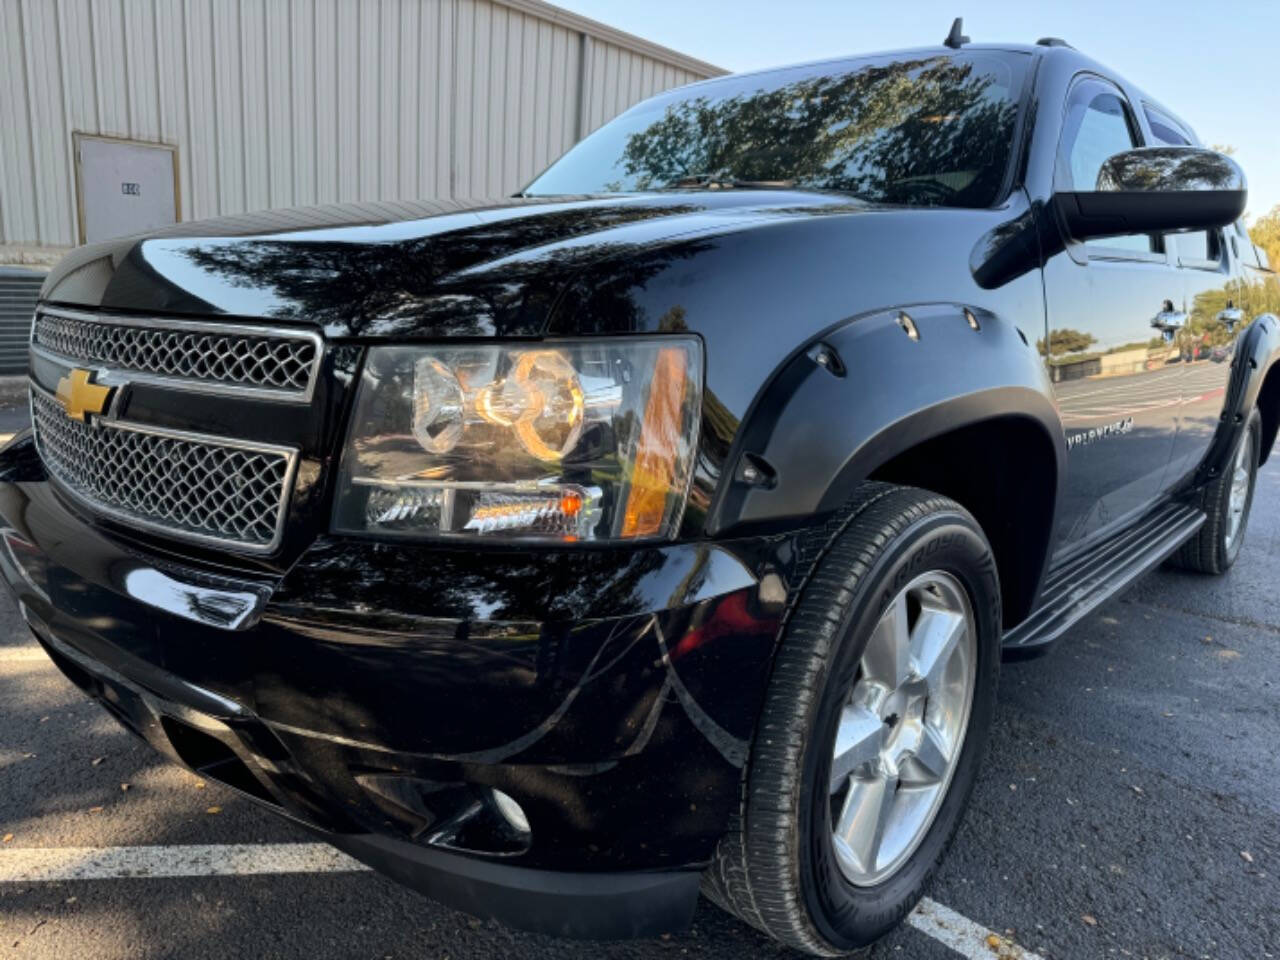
[[902, 729], [1239, 496]]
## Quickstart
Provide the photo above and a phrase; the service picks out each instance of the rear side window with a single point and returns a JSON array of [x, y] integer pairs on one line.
[[1201, 246], [1098, 126], [1243, 244], [1164, 133]]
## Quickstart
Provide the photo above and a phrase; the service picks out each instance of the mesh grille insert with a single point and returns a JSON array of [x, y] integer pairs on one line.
[[256, 360], [201, 487]]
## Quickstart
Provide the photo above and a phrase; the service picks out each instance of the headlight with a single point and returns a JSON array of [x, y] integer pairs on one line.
[[565, 441]]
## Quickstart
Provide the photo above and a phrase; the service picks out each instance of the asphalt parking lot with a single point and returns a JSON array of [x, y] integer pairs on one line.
[[1130, 807]]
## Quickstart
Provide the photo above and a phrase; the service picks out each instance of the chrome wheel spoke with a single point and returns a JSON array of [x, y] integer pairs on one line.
[[859, 740], [936, 637], [931, 760], [1240, 482], [888, 653], [1238, 496], [865, 817]]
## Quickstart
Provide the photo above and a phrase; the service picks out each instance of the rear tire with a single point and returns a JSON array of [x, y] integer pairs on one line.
[[1227, 500], [804, 861]]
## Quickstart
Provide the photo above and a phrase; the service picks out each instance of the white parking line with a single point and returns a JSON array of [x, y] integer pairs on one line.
[[962, 935], [24, 654], [44, 865], [57, 864]]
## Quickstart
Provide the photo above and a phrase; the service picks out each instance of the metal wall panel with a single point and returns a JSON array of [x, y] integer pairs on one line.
[[45, 93], [17, 190], [201, 196], [277, 103]]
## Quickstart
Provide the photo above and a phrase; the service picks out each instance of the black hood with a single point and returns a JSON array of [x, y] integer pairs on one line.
[[449, 268]]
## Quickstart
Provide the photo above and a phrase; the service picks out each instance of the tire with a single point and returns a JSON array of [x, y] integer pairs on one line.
[[1217, 543], [779, 867]]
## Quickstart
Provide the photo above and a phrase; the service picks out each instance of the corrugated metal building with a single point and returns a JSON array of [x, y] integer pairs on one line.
[[279, 103], [274, 103]]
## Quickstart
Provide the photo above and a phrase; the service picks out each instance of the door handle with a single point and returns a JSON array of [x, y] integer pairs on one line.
[[1230, 316], [1169, 320]]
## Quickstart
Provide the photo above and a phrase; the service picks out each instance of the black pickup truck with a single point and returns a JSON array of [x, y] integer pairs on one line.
[[661, 528]]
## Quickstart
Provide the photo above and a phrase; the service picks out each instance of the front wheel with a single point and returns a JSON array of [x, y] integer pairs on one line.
[[1226, 501], [873, 727]]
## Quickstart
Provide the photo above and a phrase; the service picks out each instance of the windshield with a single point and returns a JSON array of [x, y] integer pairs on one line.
[[926, 129]]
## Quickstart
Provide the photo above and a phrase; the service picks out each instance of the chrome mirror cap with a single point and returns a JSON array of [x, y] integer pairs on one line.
[[1170, 170]]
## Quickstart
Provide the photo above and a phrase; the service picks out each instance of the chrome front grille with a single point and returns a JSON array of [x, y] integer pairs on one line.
[[198, 487], [220, 357]]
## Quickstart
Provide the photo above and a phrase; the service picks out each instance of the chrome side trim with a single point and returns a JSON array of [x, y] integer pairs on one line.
[[118, 376], [290, 455]]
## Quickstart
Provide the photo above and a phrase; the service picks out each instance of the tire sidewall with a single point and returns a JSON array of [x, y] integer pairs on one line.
[[849, 917]]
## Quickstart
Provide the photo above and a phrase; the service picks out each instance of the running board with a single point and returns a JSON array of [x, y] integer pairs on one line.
[[1075, 588]]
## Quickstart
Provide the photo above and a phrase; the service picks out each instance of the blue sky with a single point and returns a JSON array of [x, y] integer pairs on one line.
[[1214, 63]]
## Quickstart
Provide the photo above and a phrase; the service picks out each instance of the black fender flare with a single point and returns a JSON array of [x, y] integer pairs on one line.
[[866, 390], [1256, 353]]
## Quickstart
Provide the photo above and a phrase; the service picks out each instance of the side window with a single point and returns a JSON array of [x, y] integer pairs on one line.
[[1198, 247], [1244, 244], [1099, 125], [1164, 131], [1201, 246]]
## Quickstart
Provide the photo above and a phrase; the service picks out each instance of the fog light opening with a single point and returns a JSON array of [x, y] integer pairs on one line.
[[511, 812]]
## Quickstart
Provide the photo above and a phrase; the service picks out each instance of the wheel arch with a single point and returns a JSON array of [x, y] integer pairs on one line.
[[1268, 384], [1010, 486], [947, 397], [1255, 382]]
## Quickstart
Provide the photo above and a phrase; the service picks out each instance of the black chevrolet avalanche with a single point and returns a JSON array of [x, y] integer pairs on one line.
[[661, 529]]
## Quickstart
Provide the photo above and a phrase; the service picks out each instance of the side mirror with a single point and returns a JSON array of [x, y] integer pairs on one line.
[[1156, 190]]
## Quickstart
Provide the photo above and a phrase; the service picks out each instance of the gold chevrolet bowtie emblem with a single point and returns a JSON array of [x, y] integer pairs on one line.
[[79, 397]]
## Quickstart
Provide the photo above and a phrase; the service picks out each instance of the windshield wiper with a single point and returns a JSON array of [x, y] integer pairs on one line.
[[710, 181]]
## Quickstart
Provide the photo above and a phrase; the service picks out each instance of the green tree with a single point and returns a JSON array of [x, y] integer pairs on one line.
[[1067, 341], [1266, 234]]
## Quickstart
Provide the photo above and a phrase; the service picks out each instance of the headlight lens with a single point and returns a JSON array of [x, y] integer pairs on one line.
[[582, 440]]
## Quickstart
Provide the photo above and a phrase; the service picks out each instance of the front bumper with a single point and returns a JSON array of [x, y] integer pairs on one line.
[[379, 694]]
